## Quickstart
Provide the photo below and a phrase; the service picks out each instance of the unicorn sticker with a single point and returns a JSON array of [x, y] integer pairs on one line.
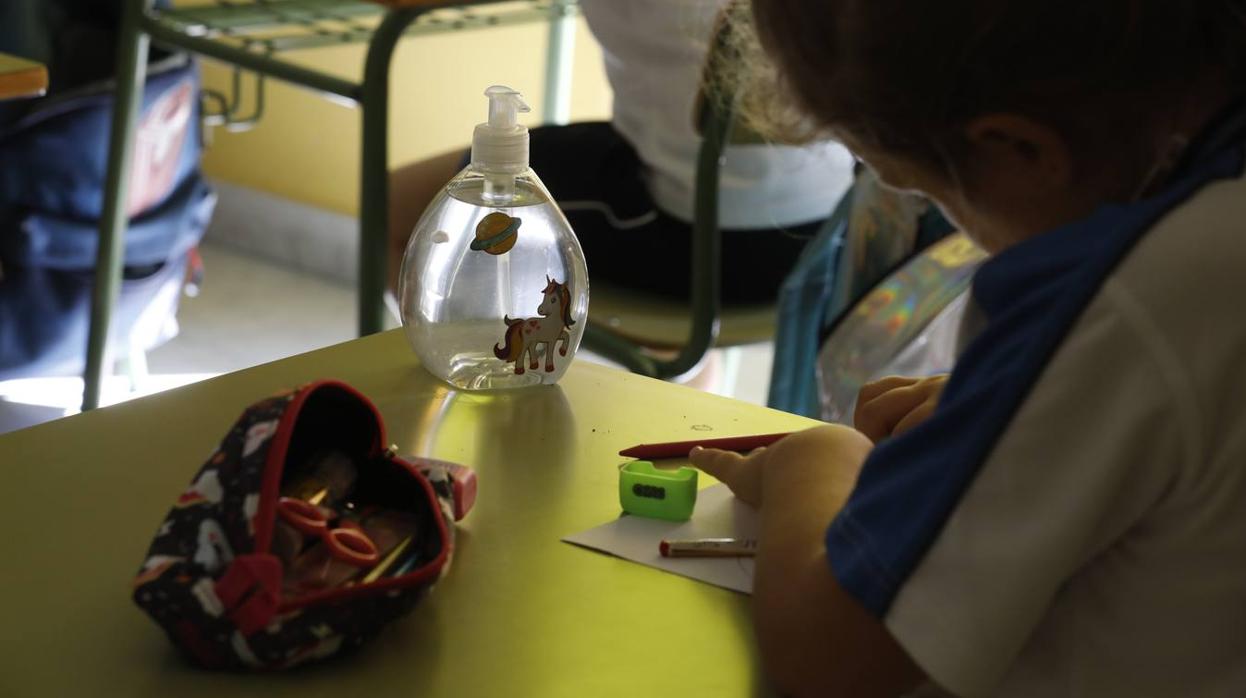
[[527, 336]]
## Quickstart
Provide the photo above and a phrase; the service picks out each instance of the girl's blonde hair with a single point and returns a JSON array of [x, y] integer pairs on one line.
[[906, 76], [739, 70]]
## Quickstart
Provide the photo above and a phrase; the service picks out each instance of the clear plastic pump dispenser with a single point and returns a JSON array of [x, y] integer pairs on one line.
[[493, 287]]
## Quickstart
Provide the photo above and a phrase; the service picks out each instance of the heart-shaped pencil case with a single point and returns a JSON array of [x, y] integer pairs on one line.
[[302, 535]]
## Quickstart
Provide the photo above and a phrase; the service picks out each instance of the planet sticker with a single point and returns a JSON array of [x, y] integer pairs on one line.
[[496, 233]]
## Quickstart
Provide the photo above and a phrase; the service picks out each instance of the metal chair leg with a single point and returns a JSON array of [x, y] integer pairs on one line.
[[602, 341], [706, 269], [374, 169], [131, 76], [706, 247]]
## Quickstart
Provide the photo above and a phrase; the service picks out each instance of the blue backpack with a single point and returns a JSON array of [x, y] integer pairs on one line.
[[873, 231], [53, 158]]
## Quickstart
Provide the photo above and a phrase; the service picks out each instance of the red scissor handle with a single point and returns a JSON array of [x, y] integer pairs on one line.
[[351, 545], [303, 515], [347, 543]]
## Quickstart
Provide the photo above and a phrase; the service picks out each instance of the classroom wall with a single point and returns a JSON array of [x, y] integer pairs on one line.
[[306, 148]]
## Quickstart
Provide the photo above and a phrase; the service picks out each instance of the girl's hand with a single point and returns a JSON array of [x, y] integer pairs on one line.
[[803, 454], [891, 406], [740, 473]]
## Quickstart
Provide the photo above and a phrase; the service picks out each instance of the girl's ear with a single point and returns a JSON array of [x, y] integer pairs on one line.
[[1021, 150]]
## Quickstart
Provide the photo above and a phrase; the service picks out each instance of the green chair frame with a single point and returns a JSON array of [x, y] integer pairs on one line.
[[717, 123], [249, 35], [717, 109]]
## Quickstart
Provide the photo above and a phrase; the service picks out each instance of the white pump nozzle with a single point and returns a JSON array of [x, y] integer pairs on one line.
[[504, 104], [501, 144]]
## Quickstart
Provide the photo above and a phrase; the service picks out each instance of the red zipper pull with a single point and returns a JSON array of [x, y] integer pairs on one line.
[[250, 590]]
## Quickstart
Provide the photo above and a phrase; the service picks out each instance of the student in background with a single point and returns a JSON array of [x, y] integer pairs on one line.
[[626, 186], [1070, 517]]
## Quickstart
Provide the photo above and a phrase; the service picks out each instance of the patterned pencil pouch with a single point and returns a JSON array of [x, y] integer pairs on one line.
[[301, 536]]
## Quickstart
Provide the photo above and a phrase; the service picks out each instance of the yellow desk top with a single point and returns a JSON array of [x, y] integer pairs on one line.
[[519, 614], [21, 78]]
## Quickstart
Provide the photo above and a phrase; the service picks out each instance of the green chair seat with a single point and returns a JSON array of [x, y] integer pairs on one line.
[[659, 323]]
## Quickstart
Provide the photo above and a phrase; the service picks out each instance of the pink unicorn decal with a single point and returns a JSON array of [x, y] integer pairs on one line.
[[527, 335]]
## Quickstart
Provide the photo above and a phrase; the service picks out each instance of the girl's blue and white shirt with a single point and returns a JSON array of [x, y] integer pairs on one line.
[[1072, 519]]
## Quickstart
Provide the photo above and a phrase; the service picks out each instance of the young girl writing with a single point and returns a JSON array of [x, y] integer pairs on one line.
[[1066, 514]]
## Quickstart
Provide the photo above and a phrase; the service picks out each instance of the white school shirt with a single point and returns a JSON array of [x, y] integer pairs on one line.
[[1118, 567], [654, 53]]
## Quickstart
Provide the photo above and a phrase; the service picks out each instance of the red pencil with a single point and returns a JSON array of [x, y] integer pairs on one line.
[[679, 449]]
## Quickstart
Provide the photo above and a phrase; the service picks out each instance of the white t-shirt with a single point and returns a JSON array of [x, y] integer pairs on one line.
[[654, 53], [1116, 567]]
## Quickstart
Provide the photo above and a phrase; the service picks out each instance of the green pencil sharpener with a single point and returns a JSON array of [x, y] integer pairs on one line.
[[647, 491]]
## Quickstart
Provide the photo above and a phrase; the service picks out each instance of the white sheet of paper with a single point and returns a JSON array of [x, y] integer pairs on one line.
[[718, 514]]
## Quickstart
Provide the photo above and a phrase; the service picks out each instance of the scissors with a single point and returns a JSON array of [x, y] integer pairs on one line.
[[347, 543]]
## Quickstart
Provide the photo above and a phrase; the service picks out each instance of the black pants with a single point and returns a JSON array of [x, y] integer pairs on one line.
[[596, 177]]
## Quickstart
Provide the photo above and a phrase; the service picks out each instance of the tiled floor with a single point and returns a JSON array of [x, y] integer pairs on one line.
[[252, 311]]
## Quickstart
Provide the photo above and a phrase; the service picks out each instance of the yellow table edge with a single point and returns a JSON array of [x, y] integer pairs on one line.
[[520, 613]]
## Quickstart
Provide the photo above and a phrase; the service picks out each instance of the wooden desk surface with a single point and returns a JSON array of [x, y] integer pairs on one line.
[[520, 613], [21, 78]]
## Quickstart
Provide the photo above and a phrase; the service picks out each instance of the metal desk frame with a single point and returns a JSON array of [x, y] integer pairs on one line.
[[232, 31]]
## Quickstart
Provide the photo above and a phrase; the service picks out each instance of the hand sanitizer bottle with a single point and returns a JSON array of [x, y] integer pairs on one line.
[[493, 288]]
